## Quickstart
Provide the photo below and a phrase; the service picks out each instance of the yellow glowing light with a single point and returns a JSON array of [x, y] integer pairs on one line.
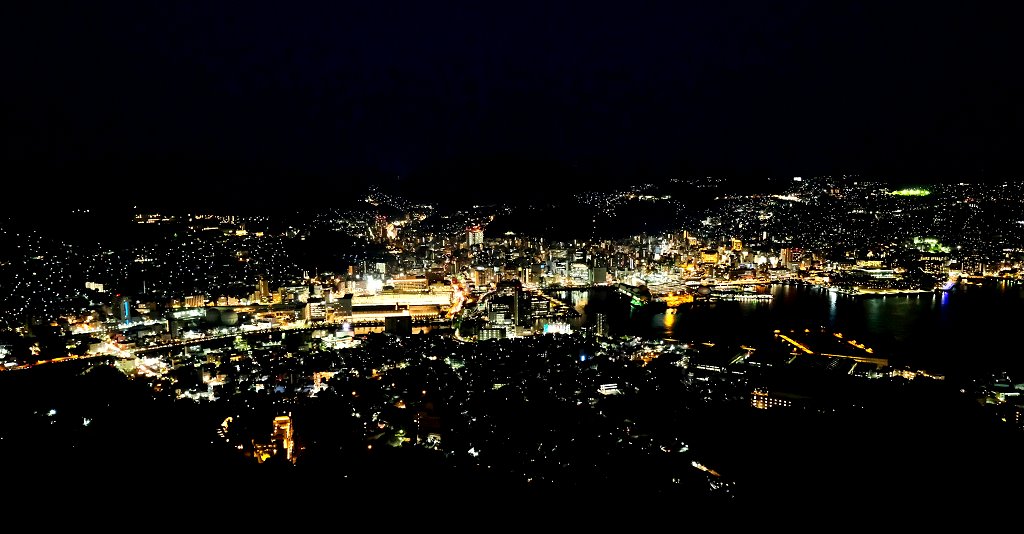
[[670, 318], [797, 344]]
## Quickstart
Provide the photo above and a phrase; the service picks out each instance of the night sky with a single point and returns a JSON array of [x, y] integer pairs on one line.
[[139, 98]]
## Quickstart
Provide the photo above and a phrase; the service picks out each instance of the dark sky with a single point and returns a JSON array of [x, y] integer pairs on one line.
[[173, 96]]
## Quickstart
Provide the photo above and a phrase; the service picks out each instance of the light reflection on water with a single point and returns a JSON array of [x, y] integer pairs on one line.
[[971, 326]]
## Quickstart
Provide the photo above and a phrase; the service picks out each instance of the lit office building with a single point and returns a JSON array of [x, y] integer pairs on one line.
[[474, 235], [315, 310], [763, 399], [282, 436]]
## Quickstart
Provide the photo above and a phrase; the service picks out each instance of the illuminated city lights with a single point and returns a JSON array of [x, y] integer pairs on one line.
[[911, 192], [418, 334]]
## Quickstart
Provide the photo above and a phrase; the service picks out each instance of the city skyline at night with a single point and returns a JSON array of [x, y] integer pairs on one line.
[[824, 302], [752, 255]]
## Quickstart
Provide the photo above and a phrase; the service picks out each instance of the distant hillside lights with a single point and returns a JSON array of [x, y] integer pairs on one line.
[[911, 192]]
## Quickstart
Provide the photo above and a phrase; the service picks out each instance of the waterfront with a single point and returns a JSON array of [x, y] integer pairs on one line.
[[971, 329], [966, 331]]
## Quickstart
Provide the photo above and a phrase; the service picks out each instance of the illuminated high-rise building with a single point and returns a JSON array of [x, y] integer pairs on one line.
[[123, 308], [343, 305], [264, 290], [785, 257], [501, 310], [474, 235], [492, 333], [380, 229], [315, 310], [602, 324], [282, 436], [763, 399], [793, 257], [506, 301]]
